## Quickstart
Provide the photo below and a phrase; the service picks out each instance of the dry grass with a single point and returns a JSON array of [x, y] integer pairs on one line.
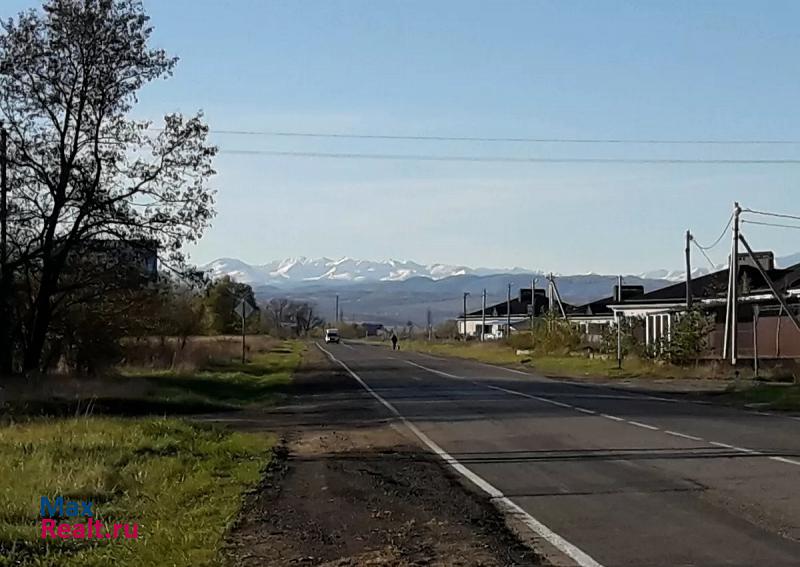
[[161, 353]]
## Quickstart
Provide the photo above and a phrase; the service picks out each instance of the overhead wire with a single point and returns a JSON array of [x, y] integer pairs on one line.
[[492, 139], [721, 236], [703, 252], [777, 225], [506, 159], [771, 214]]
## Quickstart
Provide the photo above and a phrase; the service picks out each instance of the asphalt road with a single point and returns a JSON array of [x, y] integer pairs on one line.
[[610, 478]]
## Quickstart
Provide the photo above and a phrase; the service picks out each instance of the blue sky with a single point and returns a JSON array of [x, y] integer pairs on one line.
[[635, 69]]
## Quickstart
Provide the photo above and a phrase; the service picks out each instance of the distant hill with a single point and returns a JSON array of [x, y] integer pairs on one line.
[[397, 291]]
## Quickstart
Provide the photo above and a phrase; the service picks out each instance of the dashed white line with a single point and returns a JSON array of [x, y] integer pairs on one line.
[[607, 416], [498, 498], [612, 417], [642, 425], [584, 410], [684, 435]]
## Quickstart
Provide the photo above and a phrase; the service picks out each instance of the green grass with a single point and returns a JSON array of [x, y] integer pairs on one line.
[[182, 483], [220, 385], [229, 383], [779, 397], [498, 352]]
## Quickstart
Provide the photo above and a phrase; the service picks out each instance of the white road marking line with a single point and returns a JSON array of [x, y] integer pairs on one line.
[[614, 417], [498, 498], [785, 460], [676, 434], [439, 372], [530, 396], [734, 447], [348, 346], [643, 425], [584, 410], [607, 416]]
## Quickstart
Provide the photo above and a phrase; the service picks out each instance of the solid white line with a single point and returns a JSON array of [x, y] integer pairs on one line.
[[644, 425], [497, 497], [734, 447], [676, 434], [785, 460], [348, 346]]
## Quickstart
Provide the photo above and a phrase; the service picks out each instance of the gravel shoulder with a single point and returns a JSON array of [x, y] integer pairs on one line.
[[348, 488]]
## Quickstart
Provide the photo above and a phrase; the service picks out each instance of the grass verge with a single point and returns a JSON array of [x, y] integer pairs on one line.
[[181, 483], [220, 384], [779, 397], [498, 352]]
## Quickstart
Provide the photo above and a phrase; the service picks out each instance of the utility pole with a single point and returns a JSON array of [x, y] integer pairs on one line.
[[755, 339], [737, 210], [430, 324], [336, 315], [729, 348], [466, 294], [619, 323], [483, 316], [508, 312], [533, 301], [687, 251]]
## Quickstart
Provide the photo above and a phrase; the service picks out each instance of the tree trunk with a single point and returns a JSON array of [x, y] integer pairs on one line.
[[37, 336]]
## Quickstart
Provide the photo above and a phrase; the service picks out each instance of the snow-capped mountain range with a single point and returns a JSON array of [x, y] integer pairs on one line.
[[349, 270], [344, 270]]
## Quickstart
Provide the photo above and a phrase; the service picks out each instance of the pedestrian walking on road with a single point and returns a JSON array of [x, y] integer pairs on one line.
[[394, 342]]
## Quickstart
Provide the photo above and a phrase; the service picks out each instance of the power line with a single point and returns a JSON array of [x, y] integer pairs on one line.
[[769, 214], [771, 224], [507, 159], [553, 140], [721, 236], [703, 252]]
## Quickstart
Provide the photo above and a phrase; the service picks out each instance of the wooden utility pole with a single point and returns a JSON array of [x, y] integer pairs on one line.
[[533, 301], [336, 315], [687, 252], [508, 312]]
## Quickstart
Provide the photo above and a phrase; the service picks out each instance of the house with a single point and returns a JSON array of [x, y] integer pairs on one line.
[[494, 324], [658, 309], [595, 317]]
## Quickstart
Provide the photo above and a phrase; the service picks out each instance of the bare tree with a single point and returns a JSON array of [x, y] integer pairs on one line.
[[80, 169]]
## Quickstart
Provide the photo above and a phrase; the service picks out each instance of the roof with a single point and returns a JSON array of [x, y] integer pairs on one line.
[[715, 285], [518, 308]]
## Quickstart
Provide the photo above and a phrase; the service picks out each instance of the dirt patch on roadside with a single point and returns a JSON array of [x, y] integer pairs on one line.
[[348, 489]]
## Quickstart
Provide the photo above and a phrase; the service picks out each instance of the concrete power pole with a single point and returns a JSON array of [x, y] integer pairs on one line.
[[508, 312], [483, 316], [687, 251], [619, 324], [729, 349], [466, 294]]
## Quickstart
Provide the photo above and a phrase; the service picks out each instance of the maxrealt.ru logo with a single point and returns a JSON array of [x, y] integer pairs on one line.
[[91, 529]]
